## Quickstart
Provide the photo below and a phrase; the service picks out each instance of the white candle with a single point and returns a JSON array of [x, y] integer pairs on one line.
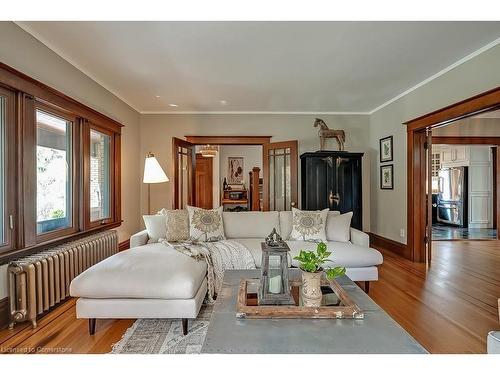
[[275, 284]]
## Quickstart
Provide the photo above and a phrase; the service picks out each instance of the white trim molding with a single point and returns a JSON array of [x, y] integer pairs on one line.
[[438, 74]]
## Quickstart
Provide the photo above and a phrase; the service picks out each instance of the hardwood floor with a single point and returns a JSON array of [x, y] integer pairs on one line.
[[448, 308]]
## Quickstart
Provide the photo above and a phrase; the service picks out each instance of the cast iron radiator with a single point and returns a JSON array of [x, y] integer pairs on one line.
[[40, 281]]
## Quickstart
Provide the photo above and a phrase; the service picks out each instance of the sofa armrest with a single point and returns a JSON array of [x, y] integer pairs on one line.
[[139, 239], [359, 238]]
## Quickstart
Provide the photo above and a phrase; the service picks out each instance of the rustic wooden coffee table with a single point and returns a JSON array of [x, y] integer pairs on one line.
[[376, 333]]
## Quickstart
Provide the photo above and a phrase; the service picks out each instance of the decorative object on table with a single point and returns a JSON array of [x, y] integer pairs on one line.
[[224, 184], [311, 263], [273, 287], [153, 174], [205, 225], [387, 177], [333, 179], [325, 132], [308, 225], [274, 239], [235, 170], [335, 303], [209, 151], [386, 149]]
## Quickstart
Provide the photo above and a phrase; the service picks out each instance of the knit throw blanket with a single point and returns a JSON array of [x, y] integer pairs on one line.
[[219, 256]]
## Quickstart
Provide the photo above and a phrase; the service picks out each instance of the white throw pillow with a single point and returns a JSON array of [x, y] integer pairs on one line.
[[205, 225], [338, 228], [308, 225], [177, 225], [156, 227]]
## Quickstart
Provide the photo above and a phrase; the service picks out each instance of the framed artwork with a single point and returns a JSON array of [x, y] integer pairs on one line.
[[235, 171], [386, 145], [387, 177]]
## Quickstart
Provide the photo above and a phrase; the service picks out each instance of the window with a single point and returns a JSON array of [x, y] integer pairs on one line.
[[54, 172], [100, 187], [59, 167], [8, 176], [3, 158]]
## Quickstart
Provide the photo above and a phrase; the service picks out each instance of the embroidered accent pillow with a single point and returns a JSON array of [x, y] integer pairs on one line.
[[205, 225], [308, 225], [177, 225]]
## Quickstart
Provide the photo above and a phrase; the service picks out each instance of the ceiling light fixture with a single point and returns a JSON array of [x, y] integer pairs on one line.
[[223, 102], [173, 105], [158, 96], [209, 151]]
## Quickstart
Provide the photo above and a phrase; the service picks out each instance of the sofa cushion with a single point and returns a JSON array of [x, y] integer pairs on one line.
[[206, 225], [343, 253], [254, 246], [286, 222], [308, 225], [156, 225], [177, 224], [252, 224], [149, 271], [338, 228]]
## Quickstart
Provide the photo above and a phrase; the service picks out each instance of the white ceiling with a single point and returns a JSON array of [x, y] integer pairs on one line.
[[262, 66]]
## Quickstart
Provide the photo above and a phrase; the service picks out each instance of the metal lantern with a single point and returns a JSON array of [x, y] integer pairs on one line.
[[274, 288]]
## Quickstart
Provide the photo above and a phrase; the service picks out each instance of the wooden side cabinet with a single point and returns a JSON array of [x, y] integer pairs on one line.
[[332, 179]]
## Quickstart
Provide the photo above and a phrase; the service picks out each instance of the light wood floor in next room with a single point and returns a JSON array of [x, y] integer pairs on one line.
[[448, 308]]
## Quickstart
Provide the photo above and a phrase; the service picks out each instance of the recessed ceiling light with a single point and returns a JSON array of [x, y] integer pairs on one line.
[[223, 102], [158, 96], [173, 105]]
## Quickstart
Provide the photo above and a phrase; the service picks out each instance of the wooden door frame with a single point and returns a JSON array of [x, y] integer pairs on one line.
[[244, 140], [199, 156], [416, 176], [294, 149]]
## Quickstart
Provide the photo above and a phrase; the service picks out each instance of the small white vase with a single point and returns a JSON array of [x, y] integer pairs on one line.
[[311, 289]]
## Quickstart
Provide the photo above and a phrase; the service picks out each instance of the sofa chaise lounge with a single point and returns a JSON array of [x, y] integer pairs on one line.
[[153, 280]]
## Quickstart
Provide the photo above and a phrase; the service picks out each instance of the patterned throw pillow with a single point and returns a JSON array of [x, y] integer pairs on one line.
[[308, 225], [177, 222], [205, 225]]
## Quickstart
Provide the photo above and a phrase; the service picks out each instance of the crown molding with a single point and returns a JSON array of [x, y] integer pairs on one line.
[[75, 64], [248, 113], [438, 74], [383, 105]]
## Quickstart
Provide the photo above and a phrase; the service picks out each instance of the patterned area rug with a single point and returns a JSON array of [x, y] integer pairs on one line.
[[164, 336]]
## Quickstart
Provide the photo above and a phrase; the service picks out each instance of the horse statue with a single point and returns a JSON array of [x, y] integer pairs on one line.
[[325, 132]]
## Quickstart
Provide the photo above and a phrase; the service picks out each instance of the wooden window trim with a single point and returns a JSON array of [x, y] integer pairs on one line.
[[86, 176], [10, 186], [75, 153], [26, 94]]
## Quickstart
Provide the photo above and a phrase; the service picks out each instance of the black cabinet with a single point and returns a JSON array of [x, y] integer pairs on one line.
[[332, 179]]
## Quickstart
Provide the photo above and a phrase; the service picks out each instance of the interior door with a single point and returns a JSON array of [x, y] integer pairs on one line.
[[204, 182], [428, 225], [184, 160], [280, 175]]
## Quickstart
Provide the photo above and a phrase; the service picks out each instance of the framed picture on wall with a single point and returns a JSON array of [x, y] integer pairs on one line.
[[387, 177], [235, 171], [386, 145]]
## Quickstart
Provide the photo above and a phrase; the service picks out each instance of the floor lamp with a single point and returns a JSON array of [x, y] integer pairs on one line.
[[153, 174]]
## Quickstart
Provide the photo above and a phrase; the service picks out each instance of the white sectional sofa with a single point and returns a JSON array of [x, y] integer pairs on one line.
[[152, 280]]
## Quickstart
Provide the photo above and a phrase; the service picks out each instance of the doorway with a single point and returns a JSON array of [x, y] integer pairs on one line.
[[274, 186], [204, 181], [419, 158]]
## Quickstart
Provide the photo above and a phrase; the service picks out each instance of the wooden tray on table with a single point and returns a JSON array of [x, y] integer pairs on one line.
[[335, 304]]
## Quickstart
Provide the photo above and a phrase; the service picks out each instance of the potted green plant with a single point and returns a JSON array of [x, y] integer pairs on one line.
[[311, 264]]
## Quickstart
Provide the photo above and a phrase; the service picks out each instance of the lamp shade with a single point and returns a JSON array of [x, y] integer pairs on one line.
[[153, 173]]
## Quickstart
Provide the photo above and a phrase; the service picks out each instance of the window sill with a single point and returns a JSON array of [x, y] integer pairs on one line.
[[18, 253]]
